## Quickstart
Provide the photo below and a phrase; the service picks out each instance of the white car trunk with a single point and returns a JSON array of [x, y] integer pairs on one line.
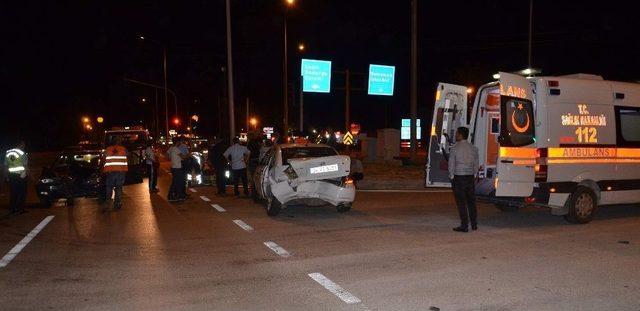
[[321, 168], [316, 179]]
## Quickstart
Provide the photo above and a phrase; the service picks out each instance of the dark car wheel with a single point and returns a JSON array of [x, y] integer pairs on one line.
[[343, 208], [273, 207], [254, 193], [45, 202]]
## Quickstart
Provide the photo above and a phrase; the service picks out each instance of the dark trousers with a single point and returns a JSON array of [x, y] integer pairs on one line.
[[153, 176], [18, 192], [237, 175], [176, 190], [221, 179], [115, 181], [464, 192]]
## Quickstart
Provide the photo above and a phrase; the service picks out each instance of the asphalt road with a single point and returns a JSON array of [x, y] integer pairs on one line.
[[393, 251]]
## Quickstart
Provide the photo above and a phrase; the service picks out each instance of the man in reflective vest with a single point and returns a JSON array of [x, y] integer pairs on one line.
[[115, 167], [16, 162]]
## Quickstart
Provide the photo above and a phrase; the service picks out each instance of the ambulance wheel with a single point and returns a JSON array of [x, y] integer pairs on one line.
[[343, 208], [506, 207], [273, 207], [581, 205]]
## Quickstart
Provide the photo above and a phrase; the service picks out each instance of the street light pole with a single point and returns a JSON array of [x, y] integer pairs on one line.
[[414, 80], [232, 123], [166, 92], [530, 31], [285, 79]]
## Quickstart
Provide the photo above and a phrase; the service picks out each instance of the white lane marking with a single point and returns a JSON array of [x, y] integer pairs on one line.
[[334, 288], [16, 249], [243, 225], [407, 191], [277, 249], [205, 198], [218, 208], [193, 190]]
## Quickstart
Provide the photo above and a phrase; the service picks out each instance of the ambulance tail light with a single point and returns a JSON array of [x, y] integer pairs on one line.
[[553, 83]]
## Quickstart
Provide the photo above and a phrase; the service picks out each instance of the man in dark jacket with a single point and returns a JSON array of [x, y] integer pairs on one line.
[[219, 163]]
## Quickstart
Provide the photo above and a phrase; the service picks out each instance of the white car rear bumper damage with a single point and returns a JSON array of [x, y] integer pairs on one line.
[[324, 191]]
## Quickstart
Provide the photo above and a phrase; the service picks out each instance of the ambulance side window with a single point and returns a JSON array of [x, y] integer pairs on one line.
[[517, 126], [628, 126]]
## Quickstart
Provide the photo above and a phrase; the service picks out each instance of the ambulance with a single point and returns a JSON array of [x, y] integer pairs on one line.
[[570, 143]]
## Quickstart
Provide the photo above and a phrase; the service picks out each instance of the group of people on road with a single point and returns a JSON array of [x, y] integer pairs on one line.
[[463, 163]]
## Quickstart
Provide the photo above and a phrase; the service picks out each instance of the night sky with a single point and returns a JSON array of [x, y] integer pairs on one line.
[[65, 59]]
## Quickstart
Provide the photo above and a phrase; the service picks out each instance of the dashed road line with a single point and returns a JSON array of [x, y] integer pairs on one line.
[[18, 248], [218, 208], [205, 198], [334, 288], [193, 190], [277, 249], [243, 225]]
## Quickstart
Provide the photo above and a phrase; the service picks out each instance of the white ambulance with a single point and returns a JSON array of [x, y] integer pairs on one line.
[[570, 143]]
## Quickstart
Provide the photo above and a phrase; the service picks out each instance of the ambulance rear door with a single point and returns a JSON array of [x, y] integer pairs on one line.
[[517, 153], [449, 113]]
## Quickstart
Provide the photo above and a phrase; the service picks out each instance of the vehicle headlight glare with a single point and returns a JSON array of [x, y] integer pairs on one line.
[[46, 180]]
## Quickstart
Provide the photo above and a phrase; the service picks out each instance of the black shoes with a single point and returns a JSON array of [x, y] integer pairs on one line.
[[465, 229]]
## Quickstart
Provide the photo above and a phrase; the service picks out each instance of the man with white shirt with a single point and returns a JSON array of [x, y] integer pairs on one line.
[[176, 190], [238, 154], [463, 167], [153, 163]]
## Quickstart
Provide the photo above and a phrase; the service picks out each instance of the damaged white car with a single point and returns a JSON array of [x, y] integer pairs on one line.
[[303, 174]]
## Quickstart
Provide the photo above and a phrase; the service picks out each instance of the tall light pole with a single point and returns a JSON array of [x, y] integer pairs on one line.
[[285, 66], [530, 31], [301, 48], [166, 95], [414, 80], [232, 122]]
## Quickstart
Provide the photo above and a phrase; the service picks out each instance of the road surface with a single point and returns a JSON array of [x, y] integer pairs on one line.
[[393, 251]]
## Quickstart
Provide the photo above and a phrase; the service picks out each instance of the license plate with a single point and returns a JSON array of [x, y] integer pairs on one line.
[[324, 169]]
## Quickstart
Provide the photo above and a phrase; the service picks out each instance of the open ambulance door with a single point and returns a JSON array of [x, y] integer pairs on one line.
[[449, 113], [517, 153]]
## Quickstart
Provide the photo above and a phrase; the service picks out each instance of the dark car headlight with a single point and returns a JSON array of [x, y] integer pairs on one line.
[[46, 180]]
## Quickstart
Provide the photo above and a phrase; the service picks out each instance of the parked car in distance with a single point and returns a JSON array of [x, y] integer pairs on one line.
[[74, 173], [303, 174]]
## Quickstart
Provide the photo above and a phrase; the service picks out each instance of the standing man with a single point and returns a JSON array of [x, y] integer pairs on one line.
[[153, 164], [187, 164], [239, 156], [254, 148], [463, 167], [115, 167], [16, 162], [176, 190], [219, 163]]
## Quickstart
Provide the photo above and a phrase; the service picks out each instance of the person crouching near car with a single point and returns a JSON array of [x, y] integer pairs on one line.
[[356, 169], [115, 167]]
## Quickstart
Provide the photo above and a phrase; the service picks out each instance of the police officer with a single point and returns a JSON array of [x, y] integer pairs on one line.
[[463, 166], [16, 162], [115, 167]]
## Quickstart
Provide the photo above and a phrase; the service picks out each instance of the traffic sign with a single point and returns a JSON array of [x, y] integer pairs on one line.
[[347, 139], [381, 79], [316, 75]]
